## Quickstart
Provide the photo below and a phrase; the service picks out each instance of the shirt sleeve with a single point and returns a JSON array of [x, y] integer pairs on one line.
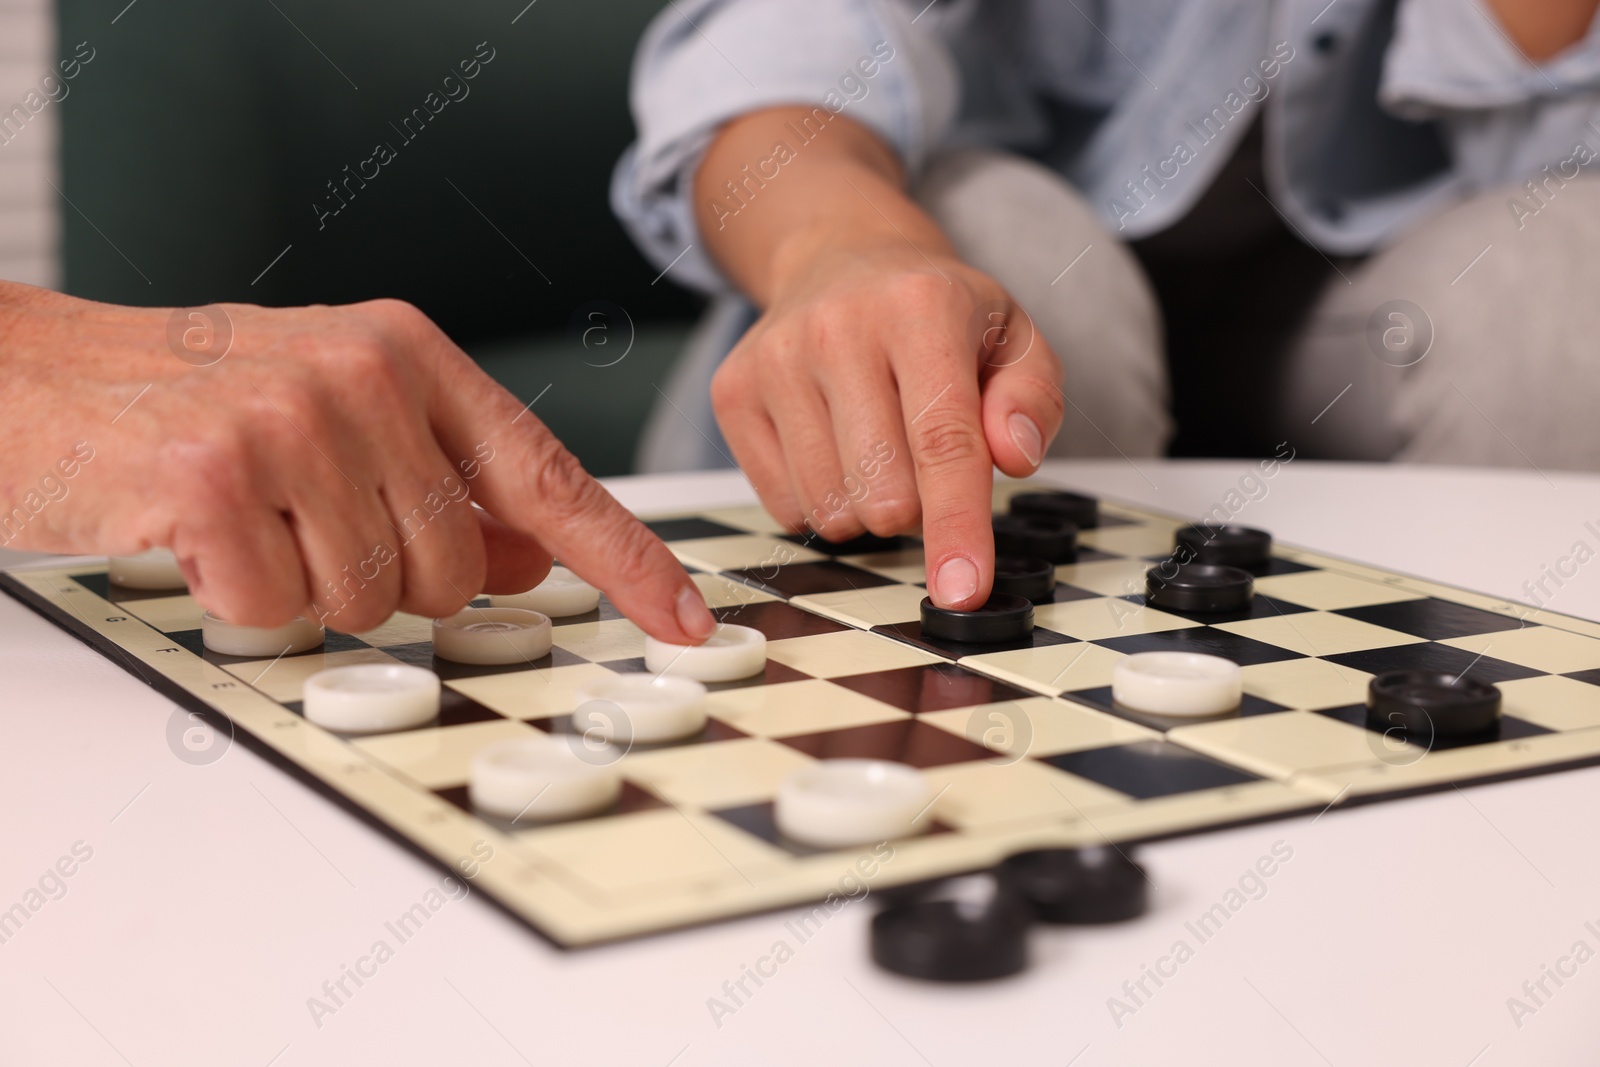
[[1454, 55], [704, 62]]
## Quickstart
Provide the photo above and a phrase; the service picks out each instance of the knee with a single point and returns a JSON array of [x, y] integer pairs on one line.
[[1025, 226]]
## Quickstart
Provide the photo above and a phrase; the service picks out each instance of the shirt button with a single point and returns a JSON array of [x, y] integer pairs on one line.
[[1325, 42]]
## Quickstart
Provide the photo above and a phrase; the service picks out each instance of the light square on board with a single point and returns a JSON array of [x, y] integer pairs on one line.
[[800, 707], [1541, 647], [399, 629], [1138, 540], [1293, 742], [846, 652], [715, 776], [1037, 726], [1053, 668], [635, 852], [1318, 633], [979, 794], [165, 613], [436, 757], [1552, 701], [1102, 619], [1330, 590], [721, 591], [285, 679], [1306, 683], [532, 694], [881, 605], [741, 551], [598, 642], [751, 517], [1108, 577]]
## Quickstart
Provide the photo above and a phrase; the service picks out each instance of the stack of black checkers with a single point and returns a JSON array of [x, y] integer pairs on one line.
[[975, 927], [1210, 570], [1045, 525]]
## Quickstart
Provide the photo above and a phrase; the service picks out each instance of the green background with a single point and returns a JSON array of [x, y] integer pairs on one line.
[[201, 134]]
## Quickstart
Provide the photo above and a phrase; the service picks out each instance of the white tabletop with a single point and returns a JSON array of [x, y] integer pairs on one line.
[[219, 898]]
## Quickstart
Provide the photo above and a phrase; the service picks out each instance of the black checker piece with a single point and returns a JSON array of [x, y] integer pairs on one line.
[[1204, 639], [1428, 656], [1147, 769], [911, 633], [1435, 620]]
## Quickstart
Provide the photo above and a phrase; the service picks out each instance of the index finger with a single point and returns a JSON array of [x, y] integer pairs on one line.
[[955, 478], [522, 475]]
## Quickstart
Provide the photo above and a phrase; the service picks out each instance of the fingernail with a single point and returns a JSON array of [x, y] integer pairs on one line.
[[693, 615], [1026, 436], [956, 580]]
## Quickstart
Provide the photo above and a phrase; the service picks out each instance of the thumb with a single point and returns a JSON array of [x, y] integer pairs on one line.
[[1022, 400]]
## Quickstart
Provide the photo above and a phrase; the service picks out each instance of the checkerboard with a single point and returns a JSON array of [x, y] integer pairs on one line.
[[1021, 744]]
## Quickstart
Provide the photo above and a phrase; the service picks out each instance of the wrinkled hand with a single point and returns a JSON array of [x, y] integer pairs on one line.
[[328, 461], [879, 388]]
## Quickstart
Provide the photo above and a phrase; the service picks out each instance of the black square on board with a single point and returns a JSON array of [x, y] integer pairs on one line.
[[1427, 656], [934, 687], [1204, 639], [99, 583], [1508, 728], [807, 579], [1436, 620], [458, 709], [908, 741], [691, 528], [864, 544], [1146, 769], [1261, 607], [777, 620]]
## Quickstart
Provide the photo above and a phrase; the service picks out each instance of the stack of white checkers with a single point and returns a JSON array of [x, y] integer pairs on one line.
[[837, 803]]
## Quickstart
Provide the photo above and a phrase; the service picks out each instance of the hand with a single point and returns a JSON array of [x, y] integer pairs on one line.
[[879, 388], [328, 462], [885, 379]]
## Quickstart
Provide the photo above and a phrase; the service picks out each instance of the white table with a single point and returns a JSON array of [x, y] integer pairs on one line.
[[219, 898]]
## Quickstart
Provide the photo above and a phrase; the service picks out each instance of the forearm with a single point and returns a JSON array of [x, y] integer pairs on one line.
[[842, 188]]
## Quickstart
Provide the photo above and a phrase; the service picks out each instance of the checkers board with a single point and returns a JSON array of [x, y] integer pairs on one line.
[[1021, 744]]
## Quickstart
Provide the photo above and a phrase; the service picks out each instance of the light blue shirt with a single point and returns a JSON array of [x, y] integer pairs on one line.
[[1377, 112]]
